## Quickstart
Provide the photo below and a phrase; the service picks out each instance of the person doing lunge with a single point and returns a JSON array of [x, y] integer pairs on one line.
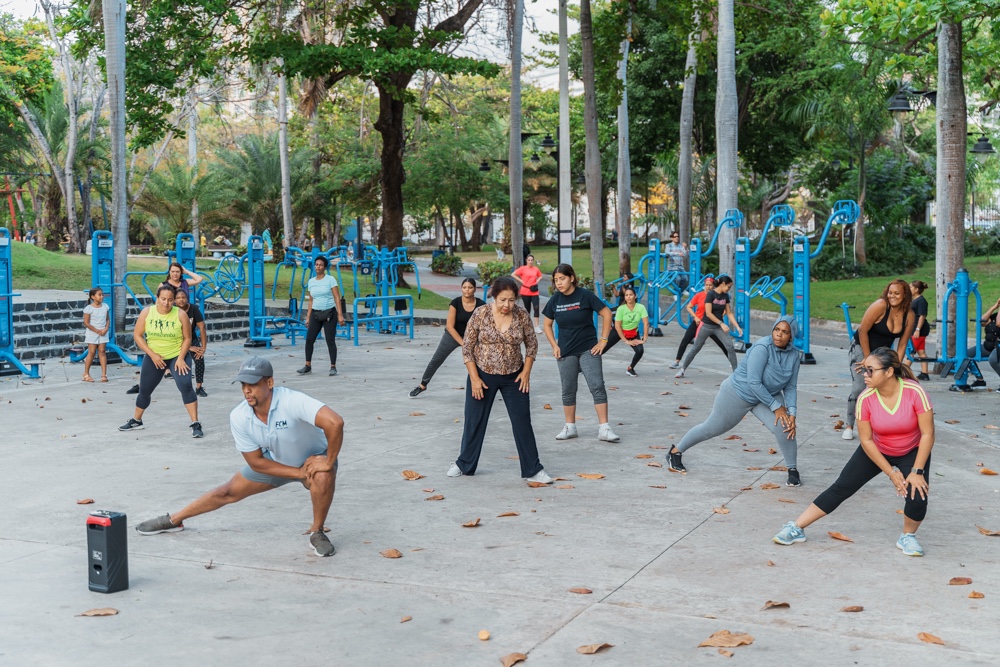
[[717, 305], [163, 333], [323, 314], [527, 277], [459, 312], [696, 310], [885, 322], [199, 340], [765, 383], [284, 436], [628, 317], [492, 353], [578, 349], [991, 333], [96, 322], [895, 421]]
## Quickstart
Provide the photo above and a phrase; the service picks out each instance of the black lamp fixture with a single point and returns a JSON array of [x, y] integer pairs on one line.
[[899, 104], [548, 144], [484, 165], [535, 159], [982, 149]]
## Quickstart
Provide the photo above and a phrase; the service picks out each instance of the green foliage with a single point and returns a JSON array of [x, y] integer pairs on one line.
[[449, 265], [490, 271], [25, 66], [980, 243], [891, 251]]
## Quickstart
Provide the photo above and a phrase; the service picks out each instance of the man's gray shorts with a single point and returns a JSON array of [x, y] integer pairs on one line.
[[253, 476]]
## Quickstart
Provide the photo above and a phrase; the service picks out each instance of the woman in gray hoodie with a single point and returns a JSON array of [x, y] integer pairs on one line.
[[765, 384]]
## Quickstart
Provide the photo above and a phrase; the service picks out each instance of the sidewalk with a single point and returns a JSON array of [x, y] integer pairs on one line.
[[666, 571]]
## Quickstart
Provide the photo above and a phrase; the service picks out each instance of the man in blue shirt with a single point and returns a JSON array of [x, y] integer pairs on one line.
[[284, 436], [677, 254]]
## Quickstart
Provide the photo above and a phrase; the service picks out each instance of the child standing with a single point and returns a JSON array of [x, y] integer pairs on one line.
[[95, 320]]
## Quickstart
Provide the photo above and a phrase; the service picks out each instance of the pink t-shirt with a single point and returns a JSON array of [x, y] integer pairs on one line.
[[895, 429], [529, 275]]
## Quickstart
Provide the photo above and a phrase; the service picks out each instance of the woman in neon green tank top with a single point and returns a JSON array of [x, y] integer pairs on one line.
[[163, 332]]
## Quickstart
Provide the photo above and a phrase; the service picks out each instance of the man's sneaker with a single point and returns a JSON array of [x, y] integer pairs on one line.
[[201, 392], [674, 462], [305, 370], [540, 476], [789, 534], [907, 542], [134, 389], [132, 425], [569, 431], [196, 431], [321, 544], [455, 471], [979, 382], [416, 391], [675, 364], [631, 372], [923, 376], [333, 371], [607, 435], [161, 524], [679, 374], [793, 478], [848, 434]]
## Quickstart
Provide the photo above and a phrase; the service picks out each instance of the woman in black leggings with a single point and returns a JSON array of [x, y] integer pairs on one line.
[[324, 295], [696, 309]]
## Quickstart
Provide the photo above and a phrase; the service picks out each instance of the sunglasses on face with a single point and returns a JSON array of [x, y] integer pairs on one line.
[[867, 371]]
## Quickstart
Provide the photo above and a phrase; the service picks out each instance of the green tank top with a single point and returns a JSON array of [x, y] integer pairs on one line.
[[164, 333]]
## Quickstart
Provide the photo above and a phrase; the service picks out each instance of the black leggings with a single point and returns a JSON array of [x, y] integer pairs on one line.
[[327, 321], [688, 338], [150, 376], [860, 470], [199, 369], [530, 301], [636, 351]]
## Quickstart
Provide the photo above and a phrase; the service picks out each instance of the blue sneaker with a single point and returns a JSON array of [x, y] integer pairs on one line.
[[789, 534], [908, 544]]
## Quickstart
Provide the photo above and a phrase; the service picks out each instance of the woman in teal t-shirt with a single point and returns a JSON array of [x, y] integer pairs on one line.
[[628, 317]]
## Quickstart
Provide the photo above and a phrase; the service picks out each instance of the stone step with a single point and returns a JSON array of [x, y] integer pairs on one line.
[[55, 350]]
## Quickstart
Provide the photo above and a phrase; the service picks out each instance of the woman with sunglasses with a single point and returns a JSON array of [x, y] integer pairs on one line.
[[896, 426], [717, 306]]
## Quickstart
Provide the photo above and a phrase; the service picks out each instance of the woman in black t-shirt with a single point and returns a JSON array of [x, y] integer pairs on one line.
[[922, 327], [578, 349], [459, 312], [717, 306], [991, 334]]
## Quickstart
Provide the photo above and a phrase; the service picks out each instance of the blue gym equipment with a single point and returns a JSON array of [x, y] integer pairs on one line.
[[653, 276], [767, 287], [31, 370], [733, 219], [845, 213]]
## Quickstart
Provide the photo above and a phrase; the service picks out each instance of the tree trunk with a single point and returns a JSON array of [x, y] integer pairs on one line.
[[288, 227], [726, 141], [515, 157], [592, 152], [684, 167], [460, 225], [114, 54], [390, 125], [951, 148], [624, 166], [860, 255], [192, 137]]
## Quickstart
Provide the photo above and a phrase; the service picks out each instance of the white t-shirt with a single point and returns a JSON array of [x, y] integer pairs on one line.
[[321, 292], [98, 320], [290, 434]]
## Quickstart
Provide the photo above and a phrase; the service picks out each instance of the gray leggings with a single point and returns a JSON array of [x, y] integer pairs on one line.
[[854, 356], [443, 351], [708, 329], [728, 410], [593, 372], [993, 359]]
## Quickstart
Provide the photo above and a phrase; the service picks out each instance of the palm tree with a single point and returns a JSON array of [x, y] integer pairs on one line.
[[684, 166], [624, 163], [726, 129], [592, 152], [172, 196], [515, 157]]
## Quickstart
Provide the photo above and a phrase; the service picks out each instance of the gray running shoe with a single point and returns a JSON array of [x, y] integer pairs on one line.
[[321, 544], [196, 431], [132, 424], [160, 524], [305, 370], [675, 364], [333, 371]]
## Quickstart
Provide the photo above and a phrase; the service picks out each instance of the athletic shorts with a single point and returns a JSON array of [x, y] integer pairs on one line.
[[252, 475], [919, 342]]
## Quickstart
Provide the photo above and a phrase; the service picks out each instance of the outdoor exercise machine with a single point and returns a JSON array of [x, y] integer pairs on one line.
[[845, 213], [653, 276], [782, 215], [31, 370]]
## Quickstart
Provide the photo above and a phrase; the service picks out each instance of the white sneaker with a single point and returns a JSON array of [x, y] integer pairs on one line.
[[848, 434], [540, 476], [607, 435], [454, 471], [679, 373], [569, 431], [675, 364], [538, 330]]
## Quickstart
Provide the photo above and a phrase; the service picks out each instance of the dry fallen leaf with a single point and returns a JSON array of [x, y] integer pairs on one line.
[[546, 407], [484, 635], [929, 638], [508, 514], [720, 510], [512, 659], [779, 468], [771, 604], [654, 464], [786, 500], [537, 485], [772, 450], [987, 531], [418, 414], [590, 475], [471, 524], [565, 486], [755, 468], [952, 421], [428, 490], [959, 581], [657, 447], [992, 426], [986, 471], [839, 425], [683, 407], [853, 608], [658, 486], [726, 639], [85, 501], [746, 488], [412, 475], [590, 649], [581, 591], [438, 497], [666, 393], [733, 437], [405, 619], [103, 611], [516, 458], [770, 563], [725, 652], [838, 536], [899, 511], [751, 450], [683, 414], [769, 485], [391, 553], [644, 456], [976, 595]]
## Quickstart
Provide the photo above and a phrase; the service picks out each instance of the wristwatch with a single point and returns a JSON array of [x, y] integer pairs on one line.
[[919, 471]]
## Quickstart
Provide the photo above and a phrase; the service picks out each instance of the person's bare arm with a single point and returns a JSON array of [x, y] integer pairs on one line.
[[336, 304], [259, 463], [181, 365], [193, 278], [139, 336], [332, 425], [450, 324]]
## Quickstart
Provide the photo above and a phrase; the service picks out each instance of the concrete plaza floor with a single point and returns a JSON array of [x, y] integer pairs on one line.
[[240, 585]]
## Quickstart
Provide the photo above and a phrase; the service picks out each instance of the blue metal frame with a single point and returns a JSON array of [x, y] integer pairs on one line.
[[31, 370], [962, 364], [782, 215]]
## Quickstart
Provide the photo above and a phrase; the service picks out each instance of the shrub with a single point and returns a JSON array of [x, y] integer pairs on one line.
[[980, 242], [449, 265], [490, 271]]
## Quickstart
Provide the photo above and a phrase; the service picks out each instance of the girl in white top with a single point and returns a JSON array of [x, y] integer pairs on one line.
[[95, 320]]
